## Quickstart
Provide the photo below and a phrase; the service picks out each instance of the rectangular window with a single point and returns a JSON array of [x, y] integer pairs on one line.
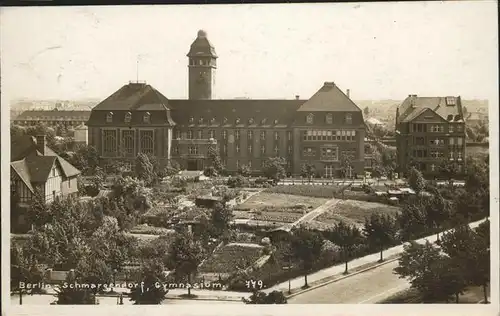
[[329, 153], [250, 134], [450, 155], [459, 155], [224, 134], [237, 164], [263, 149], [289, 136], [178, 134], [460, 141], [237, 148], [460, 128], [237, 134], [211, 134], [190, 134], [276, 150], [308, 152], [276, 136], [289, 150], [263, 135], [250, 149], [450, 128], [250, 164], [452, 141], [200, 134]]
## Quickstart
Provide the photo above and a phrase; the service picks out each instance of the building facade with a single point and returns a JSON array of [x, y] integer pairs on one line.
[[319, 131], [429, 132], [52, 118]]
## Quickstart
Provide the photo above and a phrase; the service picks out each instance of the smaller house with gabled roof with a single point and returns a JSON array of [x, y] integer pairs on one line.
[[37, 168], [429, 132]]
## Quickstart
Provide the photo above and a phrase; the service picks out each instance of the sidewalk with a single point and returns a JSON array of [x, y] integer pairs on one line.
[[298, 282]]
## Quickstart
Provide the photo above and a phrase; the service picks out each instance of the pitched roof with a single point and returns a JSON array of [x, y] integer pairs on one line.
[[202, 46], [134, 96], [330, 99], [21, 168], [413, 106], [262, 112], [53, 115]]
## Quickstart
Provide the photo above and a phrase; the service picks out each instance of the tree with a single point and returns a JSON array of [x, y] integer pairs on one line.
[[148, 292], [259, 297], [306, 247], [448, 170], [144, 169], [186, 254], [274, 168], [308, 171], [221, 218], [24, 270], [438, 212], [348, 238], [366, 111], [416, 180], [38, 212], [345, 166], [434, 275], [245, 170], [67, 295], [380, 230], [412, 219], [210, 172], [214, 158]]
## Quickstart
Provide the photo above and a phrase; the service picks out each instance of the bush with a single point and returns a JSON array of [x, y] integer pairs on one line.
[[210, 172], [238, 182]]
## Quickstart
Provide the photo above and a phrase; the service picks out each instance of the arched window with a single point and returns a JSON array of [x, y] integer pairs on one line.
[[109, 117], [329, 118], [238, 120], [147, 117], [109, 143], [212, 121], [250, 121], [200, 120], [191, 120], [128, 117], [128, 142], [309, 118], [147, 142]]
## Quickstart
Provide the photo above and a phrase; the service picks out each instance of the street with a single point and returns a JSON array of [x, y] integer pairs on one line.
[[367, 287]]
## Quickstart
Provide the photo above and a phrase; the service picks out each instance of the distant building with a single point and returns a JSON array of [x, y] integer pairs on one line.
[[430, 130], [52, 118], [81, 134], [34, 166], [476, 118], [138, 118]]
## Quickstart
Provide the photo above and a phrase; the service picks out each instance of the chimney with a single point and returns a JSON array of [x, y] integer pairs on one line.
[[40, 143], [297, 97], [348, 93]]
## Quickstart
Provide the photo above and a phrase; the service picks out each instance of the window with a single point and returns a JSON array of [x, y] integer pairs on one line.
[[309, 118], [308, 152], [263, 135], [289, 136], [237, 134], [289, 150], [193, 150], [250, 134], [450, 155], [460, 141], [224, 120], [237, 164], [450, 100], [451, 128], [200, 134], [250, 164], [329, 153], [128, 142], [348, 118], [329, 118], [109, 117], [263, 121], [460, 128], [460, 168], [190, 134], [459, 155], [109, 142], [224, 134], [128, 117], [250, 149], [200, 120], [238, 120], [433, 167], [437, 128], [147, 142], [328, 171], [212, 120], [191, 120], [263, 149], [224, 149], [237, 148], [176, 150], [211, 134], [250, 121], [275, 122], [147, 117], [276, 150], [276, 136], [178, 134]]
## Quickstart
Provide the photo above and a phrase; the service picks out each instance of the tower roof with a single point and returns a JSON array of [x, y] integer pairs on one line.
[[202, 47]]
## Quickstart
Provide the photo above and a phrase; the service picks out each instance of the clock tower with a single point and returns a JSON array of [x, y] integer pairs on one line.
[[202, 65]]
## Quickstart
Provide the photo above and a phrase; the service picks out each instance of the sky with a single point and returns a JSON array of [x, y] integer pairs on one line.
[[377, 50]]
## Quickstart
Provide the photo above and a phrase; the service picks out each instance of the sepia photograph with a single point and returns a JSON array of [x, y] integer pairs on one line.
[[322, 153]]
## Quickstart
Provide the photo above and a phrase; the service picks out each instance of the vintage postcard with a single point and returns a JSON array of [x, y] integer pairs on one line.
[[243, 159]]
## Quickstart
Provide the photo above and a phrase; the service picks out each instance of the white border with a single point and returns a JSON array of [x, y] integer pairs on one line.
[[290, 310]]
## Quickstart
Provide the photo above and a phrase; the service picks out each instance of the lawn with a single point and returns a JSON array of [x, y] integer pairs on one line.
[[354, 212], [231, 258]]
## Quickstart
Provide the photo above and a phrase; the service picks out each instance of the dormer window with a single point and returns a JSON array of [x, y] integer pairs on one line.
[[250, 121], [191, 120], [128, 117], [109, 117], [263, 121], [238, 120], [458, 117], [200, 120], [450, 117], [348, 118], [329, 118], [212, 120], [309, 118], [147, 117], [450, 101], [275, 122], [224, 121]]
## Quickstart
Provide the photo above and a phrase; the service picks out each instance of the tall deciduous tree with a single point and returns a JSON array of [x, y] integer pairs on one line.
[[306, 247], [186, 254], [148, 292], [380, 230], [412, 219], [416, 180], [348, 238], [144, 169], [221, 218], [308, 171], [438, 212], [214, 158], [274, 168]]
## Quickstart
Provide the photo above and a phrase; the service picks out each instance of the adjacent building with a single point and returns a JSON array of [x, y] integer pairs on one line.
[[35, 167], [139, 119], [52, 118], [429, 131]]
